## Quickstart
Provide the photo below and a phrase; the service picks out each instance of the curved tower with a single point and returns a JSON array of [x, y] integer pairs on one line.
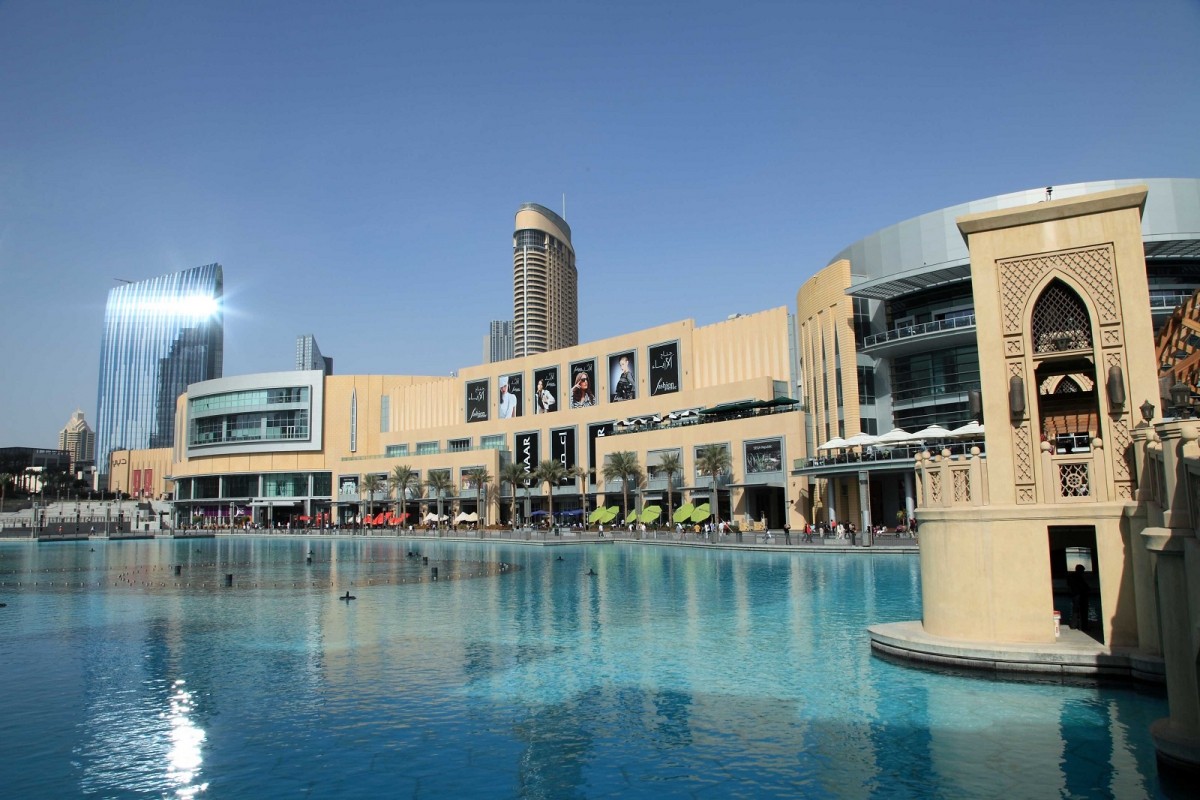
[[545, 283]]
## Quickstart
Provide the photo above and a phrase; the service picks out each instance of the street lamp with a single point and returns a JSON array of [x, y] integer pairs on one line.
[[527, 516], [1181, 394]]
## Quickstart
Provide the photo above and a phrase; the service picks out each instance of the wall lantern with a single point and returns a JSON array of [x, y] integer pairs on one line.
[[1116, 388], [1181, 394], [1016, 397], [1147, 409]]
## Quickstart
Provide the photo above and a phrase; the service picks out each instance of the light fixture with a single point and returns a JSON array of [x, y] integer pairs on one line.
[[1116, 388], [1016, 397], [1147, 409], [1180, 394]]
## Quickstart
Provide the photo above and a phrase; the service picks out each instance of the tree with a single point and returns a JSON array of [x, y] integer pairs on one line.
[[671, 464], [480, 480], [439, 482], [401, 480], [623, 466], [714, 460], [513, 473], [370, 485], [581, 473], [552, 473]]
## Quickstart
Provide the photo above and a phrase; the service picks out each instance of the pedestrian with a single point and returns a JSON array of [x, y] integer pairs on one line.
[[1077, 585], [787, 533]]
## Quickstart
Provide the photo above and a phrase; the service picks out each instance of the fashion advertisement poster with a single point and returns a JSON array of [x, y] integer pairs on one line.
[[545, 390], [764, 456], [508, 397], [583, 384], [562, 450], [664, 368], [477, 401], [527, 450], [597, 431], [622, 377]]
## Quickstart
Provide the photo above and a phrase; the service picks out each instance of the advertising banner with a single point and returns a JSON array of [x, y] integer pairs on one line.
[[765, 456], [597, 431], [527, 450], [583, 384], [477, 401], [545, 390], [509, 397], [664, 368], [562, 450], [622, 377]]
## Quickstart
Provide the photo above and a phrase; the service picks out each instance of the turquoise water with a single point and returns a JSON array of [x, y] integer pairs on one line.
[[671, 673]]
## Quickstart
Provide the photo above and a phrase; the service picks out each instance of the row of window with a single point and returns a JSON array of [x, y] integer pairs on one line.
[[253, 397], [257, 427], [240, 487]]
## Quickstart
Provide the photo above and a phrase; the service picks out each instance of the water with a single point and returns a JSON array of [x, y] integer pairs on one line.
[[672, 673]]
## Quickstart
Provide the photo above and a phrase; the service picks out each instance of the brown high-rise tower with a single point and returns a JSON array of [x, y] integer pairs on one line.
[[545, 283]]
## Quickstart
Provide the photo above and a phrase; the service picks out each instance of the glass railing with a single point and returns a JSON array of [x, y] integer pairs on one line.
[[919, 329], [1168, 300]]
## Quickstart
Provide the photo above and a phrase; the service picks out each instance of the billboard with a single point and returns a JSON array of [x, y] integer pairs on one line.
[[664, 368], [545, 390], [764, 456], [583, 383], [562, 450], [597, 431], [477, 401], [622, 377], [509, 397], [527, 450]]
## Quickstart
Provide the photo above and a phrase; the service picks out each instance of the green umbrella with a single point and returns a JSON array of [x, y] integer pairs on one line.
[[701, 513], [651, 513], [683, 513], [596, 515], [631, 517], [610, 514]]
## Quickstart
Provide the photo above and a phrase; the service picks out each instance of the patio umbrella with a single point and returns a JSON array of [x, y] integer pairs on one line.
[[932, 432], [632, 516], [972, 428], [861, 439], [833, 444], [702, 512], [894, 436], [610, 513], [651, 513], [597, 514], [683, 513]]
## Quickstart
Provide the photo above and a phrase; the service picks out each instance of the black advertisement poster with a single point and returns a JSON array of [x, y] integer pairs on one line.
[[664, 368], [477, 401], [527, 450], [583, 384], [545, 390], [622, 377], [764, 456], [508, 397], [597, 431], [562, 450]]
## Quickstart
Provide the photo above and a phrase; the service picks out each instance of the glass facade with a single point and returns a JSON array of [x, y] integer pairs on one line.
[[159, 336]]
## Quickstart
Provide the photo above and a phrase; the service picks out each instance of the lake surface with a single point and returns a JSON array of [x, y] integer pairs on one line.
[[670, 673]]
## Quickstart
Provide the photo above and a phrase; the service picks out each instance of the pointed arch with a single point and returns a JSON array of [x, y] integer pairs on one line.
[[1060, 320]]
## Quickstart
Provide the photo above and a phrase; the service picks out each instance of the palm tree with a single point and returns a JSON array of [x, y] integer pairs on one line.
[[623, 466], [439, 482], [401, 480], [513, 473], [671, 464], [5, 478], [714, 460], [581, 473], [552, 473], [370, 485], [480, 480]]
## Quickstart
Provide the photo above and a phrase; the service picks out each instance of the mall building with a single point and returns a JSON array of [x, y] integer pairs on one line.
[[882, 338]]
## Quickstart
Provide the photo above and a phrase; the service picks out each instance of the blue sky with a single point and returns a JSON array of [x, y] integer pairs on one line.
[[356, 166]]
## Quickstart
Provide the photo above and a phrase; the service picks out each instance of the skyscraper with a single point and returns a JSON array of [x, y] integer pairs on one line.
[[78, 439], [308, 355], [160, 335], [498, 344], [545, 282]]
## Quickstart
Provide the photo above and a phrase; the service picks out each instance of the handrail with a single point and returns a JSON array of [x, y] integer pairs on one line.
[[919, 329]]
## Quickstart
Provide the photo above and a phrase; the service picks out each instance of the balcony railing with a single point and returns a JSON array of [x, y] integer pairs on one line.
[[919, 329]]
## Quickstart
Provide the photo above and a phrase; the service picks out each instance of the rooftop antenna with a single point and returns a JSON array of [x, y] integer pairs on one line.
[[121, 280], [564, 205]]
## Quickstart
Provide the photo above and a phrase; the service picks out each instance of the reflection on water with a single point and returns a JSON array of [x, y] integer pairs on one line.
[[668, 674]]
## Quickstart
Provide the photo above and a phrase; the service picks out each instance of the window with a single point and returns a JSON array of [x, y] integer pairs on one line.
[[866, 386], [385, 413], [862, 320], [492, 442], [427, 448], [396, 450], [459, 445]]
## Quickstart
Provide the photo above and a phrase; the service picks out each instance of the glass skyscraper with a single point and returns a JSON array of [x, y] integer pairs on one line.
[[160, 335]]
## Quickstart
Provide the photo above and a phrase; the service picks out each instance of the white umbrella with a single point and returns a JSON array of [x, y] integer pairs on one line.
[[894, 436], [860, 440], [833, 444], [933, 432], [972, 428]]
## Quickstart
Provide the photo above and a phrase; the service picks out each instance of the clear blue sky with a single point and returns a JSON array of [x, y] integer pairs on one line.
[[356, 166]]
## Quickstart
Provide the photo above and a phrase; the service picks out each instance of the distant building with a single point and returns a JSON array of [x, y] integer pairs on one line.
[[545, 283], [78, 439], [160, 335], [498, 344], [308, 355]]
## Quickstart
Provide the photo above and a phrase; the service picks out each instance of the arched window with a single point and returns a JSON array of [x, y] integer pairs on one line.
[[1067, 386], [1060, 320]]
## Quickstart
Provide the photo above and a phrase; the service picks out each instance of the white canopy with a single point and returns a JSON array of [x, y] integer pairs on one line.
[[861, 439], [833, 444], [933, 432], [972, 428], [894, 436], [465, 517]]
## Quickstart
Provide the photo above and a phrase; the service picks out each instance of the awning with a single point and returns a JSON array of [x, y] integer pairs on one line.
[[759, 484]]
